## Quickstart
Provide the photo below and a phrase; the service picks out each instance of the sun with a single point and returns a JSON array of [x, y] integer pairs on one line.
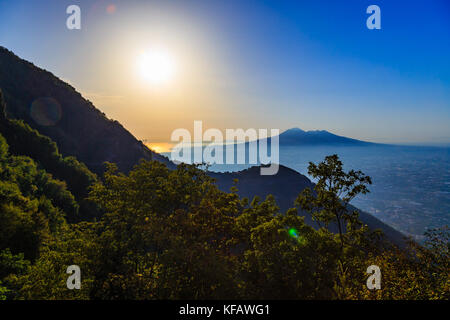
[[160, 147], [156, 66]]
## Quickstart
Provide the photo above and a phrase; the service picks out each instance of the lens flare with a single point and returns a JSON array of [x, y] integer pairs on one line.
[[45, 111], [111, 9], [293, 233]]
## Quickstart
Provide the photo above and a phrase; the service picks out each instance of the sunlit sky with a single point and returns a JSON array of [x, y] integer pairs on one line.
[[249, 64]]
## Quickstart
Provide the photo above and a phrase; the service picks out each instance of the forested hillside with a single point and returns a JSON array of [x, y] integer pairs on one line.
[[58, 111], [172, 234], [140, 229]]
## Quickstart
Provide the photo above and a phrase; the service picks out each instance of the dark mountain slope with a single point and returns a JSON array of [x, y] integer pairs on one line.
[[285, 187], [57, 110], [25, 141], [296, 137]]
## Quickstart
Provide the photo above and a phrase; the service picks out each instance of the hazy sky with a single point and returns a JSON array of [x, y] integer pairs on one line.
[[250, 64]]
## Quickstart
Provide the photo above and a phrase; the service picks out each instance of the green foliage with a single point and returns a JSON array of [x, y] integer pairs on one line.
[[3, 292], [417, 272], [332, 194], [46, 278], [10, 263], [164, 234], [279, 264], [328, 204], [172, 234], [25, 141], [32, 204]]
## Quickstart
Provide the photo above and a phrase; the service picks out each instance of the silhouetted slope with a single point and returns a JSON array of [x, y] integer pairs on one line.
[[296, 136], [22, 140], [285, 186], [79, 128]]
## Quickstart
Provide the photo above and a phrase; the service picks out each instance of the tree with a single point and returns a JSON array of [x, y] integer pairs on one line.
[[46, 278], [165, 234], [25, 141], [329, 203], [332, 194], [283, 258]]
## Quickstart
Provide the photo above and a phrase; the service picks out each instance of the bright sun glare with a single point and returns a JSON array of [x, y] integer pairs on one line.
[[156, 66]]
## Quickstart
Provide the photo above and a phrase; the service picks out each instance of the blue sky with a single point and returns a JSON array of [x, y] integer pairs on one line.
[[253, 64]]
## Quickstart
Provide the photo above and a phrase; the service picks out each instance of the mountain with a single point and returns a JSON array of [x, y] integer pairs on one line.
[[285, 187], [56, 110], [297, 137]]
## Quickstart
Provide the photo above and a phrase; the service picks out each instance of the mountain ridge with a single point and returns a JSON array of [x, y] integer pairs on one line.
[[76, 122], [297, 136]]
